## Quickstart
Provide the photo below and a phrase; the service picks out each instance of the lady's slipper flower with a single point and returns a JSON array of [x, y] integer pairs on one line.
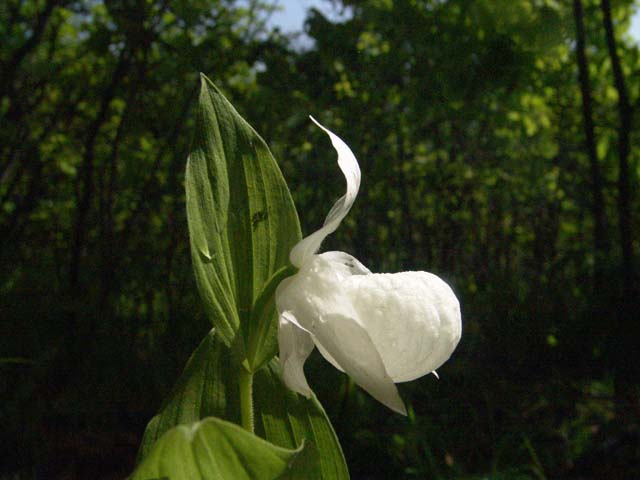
[[378, 328]]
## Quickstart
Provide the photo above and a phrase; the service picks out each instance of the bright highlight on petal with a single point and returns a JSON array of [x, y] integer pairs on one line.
[[380, 329]]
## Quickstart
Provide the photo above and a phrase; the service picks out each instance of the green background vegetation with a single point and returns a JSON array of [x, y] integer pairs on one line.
[[498, 142]]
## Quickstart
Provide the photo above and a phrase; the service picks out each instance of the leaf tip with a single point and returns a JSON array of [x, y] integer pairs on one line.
[[207, 84]]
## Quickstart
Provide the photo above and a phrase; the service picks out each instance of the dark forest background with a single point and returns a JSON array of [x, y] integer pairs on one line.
[[499, 146]]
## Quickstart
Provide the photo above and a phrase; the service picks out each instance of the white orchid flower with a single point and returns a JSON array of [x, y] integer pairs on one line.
[[378, 328]]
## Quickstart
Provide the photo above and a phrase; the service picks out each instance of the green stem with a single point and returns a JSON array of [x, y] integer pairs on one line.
[[246, 399]]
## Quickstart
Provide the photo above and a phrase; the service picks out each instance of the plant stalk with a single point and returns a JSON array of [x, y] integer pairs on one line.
[[246, 399]]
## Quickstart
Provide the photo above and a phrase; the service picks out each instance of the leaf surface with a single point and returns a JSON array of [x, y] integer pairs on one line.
[[242, 220], [216, 449], [208, 387]]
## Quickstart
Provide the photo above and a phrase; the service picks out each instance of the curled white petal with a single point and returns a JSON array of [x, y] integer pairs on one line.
[[295, 345], [309, 245]]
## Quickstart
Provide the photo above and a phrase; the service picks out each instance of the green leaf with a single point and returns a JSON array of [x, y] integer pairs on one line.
[[242, 221], [286, 418], [209, 387], [215, 449]]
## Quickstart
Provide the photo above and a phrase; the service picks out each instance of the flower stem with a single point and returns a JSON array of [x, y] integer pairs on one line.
[[246, 399]]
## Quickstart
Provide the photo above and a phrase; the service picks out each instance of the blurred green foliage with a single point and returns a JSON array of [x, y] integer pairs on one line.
[[467, 120]]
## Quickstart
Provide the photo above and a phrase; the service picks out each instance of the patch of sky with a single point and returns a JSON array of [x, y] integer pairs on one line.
[[290, 15], [634, 30]]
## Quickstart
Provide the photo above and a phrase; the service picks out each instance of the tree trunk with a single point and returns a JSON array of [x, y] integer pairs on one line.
[[627, 367], [85, 189], [625, 112], [600, 243]]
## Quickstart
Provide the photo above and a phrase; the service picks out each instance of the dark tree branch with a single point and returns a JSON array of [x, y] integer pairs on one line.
[[145, 191], [9, 70]]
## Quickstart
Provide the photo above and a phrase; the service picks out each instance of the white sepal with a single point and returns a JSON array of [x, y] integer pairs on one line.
[[351, 170], [350, 346], [295, 346]]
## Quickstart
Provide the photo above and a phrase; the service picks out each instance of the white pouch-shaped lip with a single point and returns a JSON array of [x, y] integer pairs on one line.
[[380, 329]]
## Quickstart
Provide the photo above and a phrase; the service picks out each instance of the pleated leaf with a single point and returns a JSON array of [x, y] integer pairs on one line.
[[215, 449], [209, 387], [242, 222]]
